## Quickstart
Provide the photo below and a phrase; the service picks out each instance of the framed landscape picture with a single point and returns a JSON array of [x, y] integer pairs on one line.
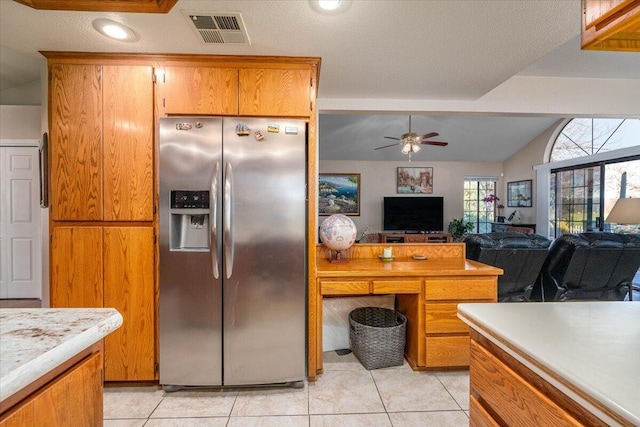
[[415, 180], [339, 193], [519, 194]]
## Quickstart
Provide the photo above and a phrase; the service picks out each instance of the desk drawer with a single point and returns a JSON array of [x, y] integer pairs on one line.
[[397, 286], [447, 351], [344, 287], [443, 318], [461, 288]]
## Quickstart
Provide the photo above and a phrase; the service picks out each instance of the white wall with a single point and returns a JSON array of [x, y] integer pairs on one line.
[[378, 179], [20, 122], [519, 167], [26, 94]]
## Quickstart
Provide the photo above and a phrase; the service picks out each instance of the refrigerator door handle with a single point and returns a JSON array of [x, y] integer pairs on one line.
[[213, 220], [228, 220]]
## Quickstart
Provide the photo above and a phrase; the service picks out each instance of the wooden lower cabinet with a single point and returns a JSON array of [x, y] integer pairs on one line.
[[74, 398], [500, 396], [446, 337], [436, 338], [110, 267]]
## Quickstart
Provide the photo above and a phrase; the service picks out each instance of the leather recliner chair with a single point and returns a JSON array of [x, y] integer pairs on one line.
[[520, 255], [589, 266]]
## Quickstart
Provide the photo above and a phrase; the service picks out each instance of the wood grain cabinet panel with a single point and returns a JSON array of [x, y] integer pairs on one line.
[[73, 399], [611, 25], [200, 90], [282, 92], [344, 287], [76, 142], [76, 267], [511, 397], [443, 318], [447, 351], [397, 286], [129, 288], [128, 143], [461, 288]]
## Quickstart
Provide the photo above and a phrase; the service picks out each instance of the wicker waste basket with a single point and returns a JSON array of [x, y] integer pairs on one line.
[[377, 336]]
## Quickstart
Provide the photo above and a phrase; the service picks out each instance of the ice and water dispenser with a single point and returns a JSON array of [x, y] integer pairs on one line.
[[190, 221]]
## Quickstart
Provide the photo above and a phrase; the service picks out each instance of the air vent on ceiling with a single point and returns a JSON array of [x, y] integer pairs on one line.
[[218, 28]]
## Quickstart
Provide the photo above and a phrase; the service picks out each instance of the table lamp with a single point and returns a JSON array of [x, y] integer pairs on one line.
[[625, 211]]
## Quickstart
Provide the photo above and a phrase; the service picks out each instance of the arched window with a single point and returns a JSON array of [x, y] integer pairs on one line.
[[585, 137], [583, 193]]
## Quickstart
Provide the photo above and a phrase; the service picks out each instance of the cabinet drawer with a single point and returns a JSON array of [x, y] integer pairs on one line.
[[447, 351], [443, 318], [478, 416], [462, 288], [510, 396], [415, 238], [344, 287], [397, 286]]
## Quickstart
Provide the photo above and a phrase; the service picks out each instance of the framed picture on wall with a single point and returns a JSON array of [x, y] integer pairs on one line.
[[414, 180], [519, 194], [339, 193]]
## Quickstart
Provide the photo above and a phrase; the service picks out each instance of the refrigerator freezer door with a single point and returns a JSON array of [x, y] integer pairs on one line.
[[264, 294], [190, 294]]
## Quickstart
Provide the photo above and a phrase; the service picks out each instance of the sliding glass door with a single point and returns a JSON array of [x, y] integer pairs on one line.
[[582, 196]]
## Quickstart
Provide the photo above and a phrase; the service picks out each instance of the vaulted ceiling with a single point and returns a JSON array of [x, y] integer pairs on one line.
[[381, 60]]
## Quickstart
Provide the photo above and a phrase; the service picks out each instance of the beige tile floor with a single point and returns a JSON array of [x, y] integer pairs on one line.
[[345, 395]]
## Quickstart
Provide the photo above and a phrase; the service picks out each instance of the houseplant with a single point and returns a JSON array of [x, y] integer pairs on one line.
[[458, 228]]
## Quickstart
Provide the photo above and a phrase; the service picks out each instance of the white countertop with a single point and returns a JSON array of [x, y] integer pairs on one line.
[[35, 341], [594, 346]]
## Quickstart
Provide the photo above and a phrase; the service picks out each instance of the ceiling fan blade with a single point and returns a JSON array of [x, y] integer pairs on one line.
[[430, 135], [438, 143], [386, 146], [392, 137]]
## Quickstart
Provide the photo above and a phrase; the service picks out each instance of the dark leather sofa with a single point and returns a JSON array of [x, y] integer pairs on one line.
[[520, 255], [589, 266]]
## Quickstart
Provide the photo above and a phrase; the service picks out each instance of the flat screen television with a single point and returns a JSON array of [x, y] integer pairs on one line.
[[413, 214]]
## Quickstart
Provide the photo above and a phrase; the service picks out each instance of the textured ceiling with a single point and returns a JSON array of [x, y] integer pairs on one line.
[[380, 50]]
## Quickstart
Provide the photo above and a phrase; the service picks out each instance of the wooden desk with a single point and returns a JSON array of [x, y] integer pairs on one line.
[[427, 292]]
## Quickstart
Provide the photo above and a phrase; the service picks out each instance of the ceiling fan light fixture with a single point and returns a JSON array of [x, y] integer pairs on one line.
[[114, 30], [415, 147], [406, 149]]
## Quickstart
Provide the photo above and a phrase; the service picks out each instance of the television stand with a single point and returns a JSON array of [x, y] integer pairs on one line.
[[415, 237]]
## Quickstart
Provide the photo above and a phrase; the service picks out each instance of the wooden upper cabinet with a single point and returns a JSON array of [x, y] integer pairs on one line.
[[101, 143], [611, 25], [129, 288], [275, 92], [128, 143], [76, 142], [76, 267], [200, 90]]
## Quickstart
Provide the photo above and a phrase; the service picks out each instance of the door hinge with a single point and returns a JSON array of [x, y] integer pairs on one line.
[[156, 367], [155, 238], [162, 102], [153, 77], [311, 81], [311, 106]]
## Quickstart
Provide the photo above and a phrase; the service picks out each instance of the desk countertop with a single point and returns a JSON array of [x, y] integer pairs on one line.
[[35, 341], [405, 267], [591, 347]]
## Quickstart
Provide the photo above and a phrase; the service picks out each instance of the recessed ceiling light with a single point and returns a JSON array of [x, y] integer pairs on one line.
[[114, 30], [330, 6]]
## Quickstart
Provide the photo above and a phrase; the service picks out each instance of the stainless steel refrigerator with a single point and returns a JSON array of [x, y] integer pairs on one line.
[[232, 251]]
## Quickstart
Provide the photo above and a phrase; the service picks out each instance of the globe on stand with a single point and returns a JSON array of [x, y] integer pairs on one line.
[[338, 232]]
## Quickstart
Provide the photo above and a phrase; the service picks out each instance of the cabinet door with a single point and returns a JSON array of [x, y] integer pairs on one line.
[[73, 399], [128, 287], [76, 142], [128, 143], [200, 90], [76, 267], [275, 92]]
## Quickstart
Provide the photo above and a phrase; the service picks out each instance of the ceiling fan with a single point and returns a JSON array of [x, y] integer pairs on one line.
[[410, 141]]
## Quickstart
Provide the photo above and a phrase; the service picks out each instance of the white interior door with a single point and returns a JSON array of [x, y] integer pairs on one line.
[[20, 224]]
